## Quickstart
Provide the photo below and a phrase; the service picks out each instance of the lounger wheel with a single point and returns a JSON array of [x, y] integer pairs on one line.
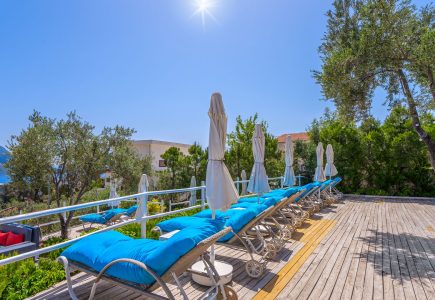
[[254, 268], [230, 294], [270, 250], [287, 234], [278, 244]]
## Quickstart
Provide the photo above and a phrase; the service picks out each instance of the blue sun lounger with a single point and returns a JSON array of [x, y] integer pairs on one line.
[[108, 217], [143, 265], [244, 217]]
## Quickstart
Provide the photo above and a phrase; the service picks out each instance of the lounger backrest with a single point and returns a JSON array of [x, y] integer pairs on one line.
[[313, 190], [326, 184], [267, 213]]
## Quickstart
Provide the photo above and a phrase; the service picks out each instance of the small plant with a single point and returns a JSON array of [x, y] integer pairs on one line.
[[155, 207]]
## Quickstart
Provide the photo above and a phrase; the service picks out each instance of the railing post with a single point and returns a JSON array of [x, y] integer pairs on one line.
[[143, 223], [238, 185], [98, 209], [282, 181], [202, 195]]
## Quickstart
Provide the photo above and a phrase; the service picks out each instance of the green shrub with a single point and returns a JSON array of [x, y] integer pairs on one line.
[[133, 230], [22, 279], [155, 207]]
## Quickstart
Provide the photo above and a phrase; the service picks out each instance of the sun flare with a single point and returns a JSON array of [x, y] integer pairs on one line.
[[203, 8]]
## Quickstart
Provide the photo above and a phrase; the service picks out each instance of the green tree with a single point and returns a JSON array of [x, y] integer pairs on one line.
[[181, 168], [198, 161], [305, 158], [387, 44], [239, 156], [173, 160], [70, 154], [372, 157], [408, 170]]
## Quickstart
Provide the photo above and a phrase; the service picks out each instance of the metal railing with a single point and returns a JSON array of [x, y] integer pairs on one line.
[[141, 198]]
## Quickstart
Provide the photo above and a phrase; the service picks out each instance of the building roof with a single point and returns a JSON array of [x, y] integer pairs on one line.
[[298, 136]]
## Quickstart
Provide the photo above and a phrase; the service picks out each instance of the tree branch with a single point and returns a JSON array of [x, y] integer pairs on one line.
[[431, 82]]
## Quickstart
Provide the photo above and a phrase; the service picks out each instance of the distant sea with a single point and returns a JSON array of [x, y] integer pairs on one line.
[[4, 157]]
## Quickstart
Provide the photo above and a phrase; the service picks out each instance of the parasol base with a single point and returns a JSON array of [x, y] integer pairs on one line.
[[224, 270]]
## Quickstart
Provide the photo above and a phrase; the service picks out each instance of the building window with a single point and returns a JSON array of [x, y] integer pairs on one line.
[[162, 163]]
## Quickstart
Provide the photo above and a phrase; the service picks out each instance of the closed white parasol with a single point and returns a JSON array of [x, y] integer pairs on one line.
[[289, 174], [330, 169], [220, 189], [319, 175], [258, 181], [142, 209]]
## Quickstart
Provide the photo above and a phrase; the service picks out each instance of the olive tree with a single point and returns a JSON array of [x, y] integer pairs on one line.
[[71, 155], [386, 44]]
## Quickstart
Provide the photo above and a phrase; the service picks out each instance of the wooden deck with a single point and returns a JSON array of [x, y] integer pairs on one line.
[[358, 249]]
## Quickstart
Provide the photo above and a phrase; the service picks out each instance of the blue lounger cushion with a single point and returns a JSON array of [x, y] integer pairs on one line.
[[180, 223], [93, 218], [234, 218], [102, 218], [96, 251], [307, 189], [130, 211], [325, 184], [291, 191], [268, 201], [98, 243], [258, 208]]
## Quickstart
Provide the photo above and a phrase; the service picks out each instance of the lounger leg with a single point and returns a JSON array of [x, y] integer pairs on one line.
[[63, 260], [138, 264], [214, 275], [177, 282], [248, 249]]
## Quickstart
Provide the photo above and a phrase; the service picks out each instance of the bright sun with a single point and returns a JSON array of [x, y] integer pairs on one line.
[[203, 8]]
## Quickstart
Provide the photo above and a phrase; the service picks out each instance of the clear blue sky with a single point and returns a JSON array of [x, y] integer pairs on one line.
[[150, 65]]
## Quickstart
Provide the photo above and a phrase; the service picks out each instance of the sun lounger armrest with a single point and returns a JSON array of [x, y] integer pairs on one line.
[[157, 229]]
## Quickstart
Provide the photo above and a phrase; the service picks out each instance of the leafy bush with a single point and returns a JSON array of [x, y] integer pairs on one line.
[[155, 207], [373, 157], [22, 279], [133, 230]]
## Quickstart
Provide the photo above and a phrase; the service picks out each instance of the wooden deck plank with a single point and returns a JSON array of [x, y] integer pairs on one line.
[[367, 289], [423, 267], [389, 260], [378, 276], [309, 265], [380, 249], [354, 265], [340, 282], [317, 281]]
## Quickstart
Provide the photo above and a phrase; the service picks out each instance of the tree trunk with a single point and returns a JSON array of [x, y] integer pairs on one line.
[[412, 108], [64, 224], [431, 82]]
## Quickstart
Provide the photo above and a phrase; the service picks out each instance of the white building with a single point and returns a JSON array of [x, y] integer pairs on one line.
[[155, 149]]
